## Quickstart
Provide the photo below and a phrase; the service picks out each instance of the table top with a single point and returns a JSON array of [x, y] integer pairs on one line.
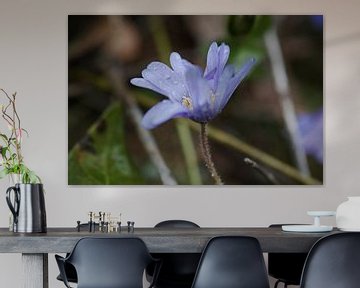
[[158, 240]]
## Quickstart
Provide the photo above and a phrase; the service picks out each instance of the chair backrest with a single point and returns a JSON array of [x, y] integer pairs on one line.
[[232, 262], [178, 269], [176, 224], [110, 262], [333, 262]]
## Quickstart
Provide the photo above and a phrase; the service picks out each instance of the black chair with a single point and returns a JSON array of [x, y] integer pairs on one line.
[[70, 273], [286, 267], [178, 269], [232, 262], [69, 269], [333, 262], [108, 263]]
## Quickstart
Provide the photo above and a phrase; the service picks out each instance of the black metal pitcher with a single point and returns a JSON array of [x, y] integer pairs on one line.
[[28, 207]]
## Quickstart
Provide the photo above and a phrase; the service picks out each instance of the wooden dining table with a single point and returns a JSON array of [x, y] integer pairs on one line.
[[35, 247]]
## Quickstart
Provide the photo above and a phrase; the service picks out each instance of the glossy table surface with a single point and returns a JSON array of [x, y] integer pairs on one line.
[[184, 240]]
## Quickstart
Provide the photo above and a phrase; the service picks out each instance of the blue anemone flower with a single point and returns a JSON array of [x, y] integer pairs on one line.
[[192, 93], [311, 129]]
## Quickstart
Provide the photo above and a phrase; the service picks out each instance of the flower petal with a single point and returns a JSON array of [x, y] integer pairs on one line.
[[226, 76], [177, 63], [216, 61], [200, 94], [180, 65], [162, 112], [223, 56], [161, 76], [311, 131], [141, 82], [212, 61], [234, 82]]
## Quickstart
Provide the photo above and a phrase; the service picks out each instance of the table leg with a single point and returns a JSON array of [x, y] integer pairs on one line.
[[35, 270]]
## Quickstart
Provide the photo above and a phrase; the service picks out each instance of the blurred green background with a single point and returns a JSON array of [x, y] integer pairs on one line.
[[105, 52]]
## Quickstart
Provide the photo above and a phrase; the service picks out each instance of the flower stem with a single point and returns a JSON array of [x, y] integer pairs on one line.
[[205, 150]]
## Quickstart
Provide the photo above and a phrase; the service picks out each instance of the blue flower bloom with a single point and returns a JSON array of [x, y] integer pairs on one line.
[[191, 93], [311, 130]]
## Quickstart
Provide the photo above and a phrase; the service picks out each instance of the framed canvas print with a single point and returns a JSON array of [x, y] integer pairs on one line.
[[195, 100]]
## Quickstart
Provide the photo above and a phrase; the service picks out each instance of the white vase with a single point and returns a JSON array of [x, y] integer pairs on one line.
[[348, 214], [15, 179]]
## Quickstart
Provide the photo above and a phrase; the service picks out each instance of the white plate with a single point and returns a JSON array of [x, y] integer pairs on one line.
[[306, 228], [321, 213]]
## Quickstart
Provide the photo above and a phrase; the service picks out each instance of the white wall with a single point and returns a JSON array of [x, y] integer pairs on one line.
[[33, 62]]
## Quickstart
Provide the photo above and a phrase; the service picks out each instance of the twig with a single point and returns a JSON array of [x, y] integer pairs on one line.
[[261, 156], [232, 141], [241, 146], [114, 74], [163, 47], [281, 82], [268, 175], [15, 127], [189, 151], [136, 115], [205, 150]]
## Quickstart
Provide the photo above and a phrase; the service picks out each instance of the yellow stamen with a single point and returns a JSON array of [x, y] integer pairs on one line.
[[186, 101]]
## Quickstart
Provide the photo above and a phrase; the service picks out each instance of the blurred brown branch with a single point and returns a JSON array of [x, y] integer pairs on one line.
[[114, 74], [268, 175], [239, 145], [281, 83]]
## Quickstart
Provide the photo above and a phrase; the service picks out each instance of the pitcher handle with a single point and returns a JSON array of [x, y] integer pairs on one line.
[[13, 208]]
